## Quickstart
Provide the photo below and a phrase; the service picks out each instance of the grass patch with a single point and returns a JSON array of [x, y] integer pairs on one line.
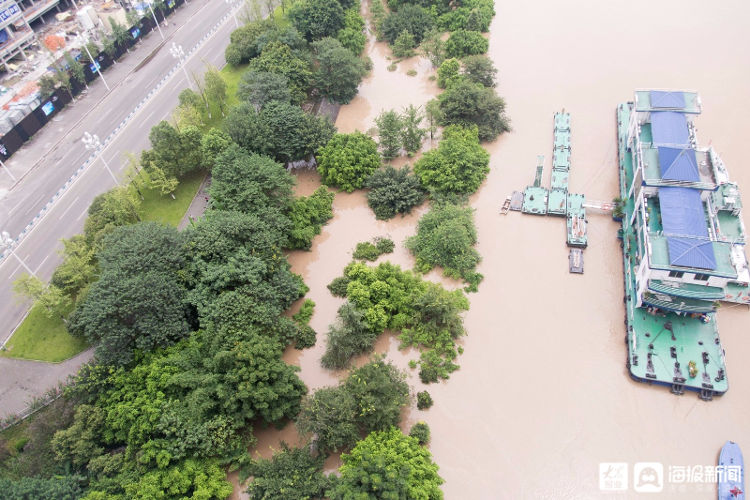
[[162, 208], [43, 338], [232, 76], [279, 18]]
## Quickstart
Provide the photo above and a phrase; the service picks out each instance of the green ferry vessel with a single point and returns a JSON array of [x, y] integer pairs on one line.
[[683, 244]]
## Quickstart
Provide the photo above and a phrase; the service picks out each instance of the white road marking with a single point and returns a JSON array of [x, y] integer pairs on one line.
[[144, 121], [32, 205], [82, 214], [19, 203], [104, 115], [10, 276], [40, 265], [71, 206]]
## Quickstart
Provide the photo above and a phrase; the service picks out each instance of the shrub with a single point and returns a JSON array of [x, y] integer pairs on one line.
[[404, 45], [305, 312], [447, 73], [338, 286], [411, 18], [369, 251], [308, 215], [388, 464], [316, 19], [479, 69], [420, 431], [468, 104], [347, 160], [458, 166], [291, 474], [424, 400], [305, 338], [350, 336], [445, 237], [466, 43], [380, 391]]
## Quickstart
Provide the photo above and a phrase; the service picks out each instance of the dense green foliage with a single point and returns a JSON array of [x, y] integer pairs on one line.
[[352, 35], [387, 297], [468, 104], [316, 19], [348, 160], [348, 337], [479, 69], [305, 312], [34, 488], [447, 73], [420, 431], [446, 237], [370, 399], [393, 191], [242, 46], [411, 18], [424, 400], [280, 59], [280, 130], [466, 43], [371, 251], [388, 464], [308, 215], [291, 474], [173, 151], [338, 72], [260, 88], [403, 46], [137, 303], [458, 166], [250, 183], [433, 47], [390, 126]]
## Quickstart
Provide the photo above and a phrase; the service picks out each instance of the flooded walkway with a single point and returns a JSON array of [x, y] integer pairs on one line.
[[543, 397]]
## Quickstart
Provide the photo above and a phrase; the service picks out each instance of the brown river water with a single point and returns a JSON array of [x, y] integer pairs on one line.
[[543, 396]]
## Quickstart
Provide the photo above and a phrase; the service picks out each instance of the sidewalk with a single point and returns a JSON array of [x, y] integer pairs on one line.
[[49, 139], [198, 205]]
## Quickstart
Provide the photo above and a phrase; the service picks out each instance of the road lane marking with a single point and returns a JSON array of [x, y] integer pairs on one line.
[[144, 121], [19, 203], [10, 276], [40, 265], [84, 213], [104, 115], [71, 206], [32, 205]]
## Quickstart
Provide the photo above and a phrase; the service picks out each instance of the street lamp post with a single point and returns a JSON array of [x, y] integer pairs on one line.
[[155, 20], [92, 142], [229, 2], [8, 170], [93, 61], [179, 54], [7, 242]]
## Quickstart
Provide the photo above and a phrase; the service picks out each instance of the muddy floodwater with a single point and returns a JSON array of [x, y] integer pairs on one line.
[[543, 396]]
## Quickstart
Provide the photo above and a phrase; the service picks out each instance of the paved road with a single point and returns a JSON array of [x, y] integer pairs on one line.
[[66, 217]]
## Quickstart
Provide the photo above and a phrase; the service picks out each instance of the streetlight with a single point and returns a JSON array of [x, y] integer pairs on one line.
[[7, 242], [98, 68], [8, 170], [179, 54], [92, 142], [229, 2], [155, 20]]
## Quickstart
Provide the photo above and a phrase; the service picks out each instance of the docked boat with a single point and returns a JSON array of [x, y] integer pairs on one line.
[[683, 244], [506, 206], [731, 472]]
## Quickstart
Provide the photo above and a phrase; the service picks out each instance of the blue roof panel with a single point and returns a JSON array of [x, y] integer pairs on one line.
[[669, 128], [678, 164], [666, 100], [684, 223]]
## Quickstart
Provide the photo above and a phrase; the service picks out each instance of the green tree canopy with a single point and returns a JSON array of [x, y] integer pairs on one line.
[[250, 183], [411, 18], [458, 166], [330, 413], [380, 391], [447, 73], [242, 46], [308, 215], [316, 19], [34, 488], [338, 71], [259, 88], [466, 43], [291, 474], [388, 464], [347, 160], [393, 191], [467, 104], [390, 133], [348, 337], [479, 69], [214, 143], [279, 58]]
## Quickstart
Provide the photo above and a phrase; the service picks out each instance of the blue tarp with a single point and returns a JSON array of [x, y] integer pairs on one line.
[[678, 164], [661, 99], [669, 128], [684, 224]]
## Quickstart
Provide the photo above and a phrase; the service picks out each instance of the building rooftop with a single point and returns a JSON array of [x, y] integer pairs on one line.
[[660, 259], [686, 101]]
